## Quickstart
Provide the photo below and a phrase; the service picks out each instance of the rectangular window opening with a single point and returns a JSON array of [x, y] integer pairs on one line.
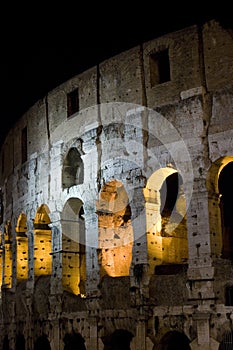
[[229, 296], [72, 102], [24, 145], [3, 161], [159, 67]]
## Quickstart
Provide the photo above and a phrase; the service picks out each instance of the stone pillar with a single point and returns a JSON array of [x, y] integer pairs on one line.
[[92, 342], [139, 267], [200, 272], [139, 341], [56, 341], [56, 278], [30, 283], [203, 340], [29, 291], [92, 266]]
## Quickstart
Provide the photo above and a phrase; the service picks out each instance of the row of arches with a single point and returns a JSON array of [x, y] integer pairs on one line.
[[115, 235], [220, 191], [71, 341], [165, 227], [120, 339]]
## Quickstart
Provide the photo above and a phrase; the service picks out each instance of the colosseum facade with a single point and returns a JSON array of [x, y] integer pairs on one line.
[[116, 204]]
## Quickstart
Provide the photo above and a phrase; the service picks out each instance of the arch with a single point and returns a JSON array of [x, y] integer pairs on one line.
[[166, 226], [115, 230], [229, 295], [1, 258], [73, 169], [119, 340], [220, 194], [21, 248], [42, 343], [73, 247], [20, 342], [21, 226], [42, 219], [227, 341], [5, 345], [74, 341], [174, 340], [1, 207], [226, 209], [8, 268], [42, 242]]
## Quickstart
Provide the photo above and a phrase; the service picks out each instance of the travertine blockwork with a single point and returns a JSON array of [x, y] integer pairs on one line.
[[116, 214]]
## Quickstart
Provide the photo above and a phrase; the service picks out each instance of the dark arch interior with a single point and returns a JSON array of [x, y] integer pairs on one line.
[[74, 341], [5, 343], [42, 343], [174, 340], [169, 193], [227, 341], [20, 342], [119, 340], [225, 184], [73, 170]]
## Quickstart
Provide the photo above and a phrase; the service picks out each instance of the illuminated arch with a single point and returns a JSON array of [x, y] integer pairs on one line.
[[73, 247], [22, 247], [42, 242], [165, 219], [8, 268], [115, 230], [220, 192]]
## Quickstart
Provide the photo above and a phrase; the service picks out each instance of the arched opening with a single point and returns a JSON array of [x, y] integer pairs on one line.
[[42, 343], [229, 295], [73, 247], [1, 207], [5, 345], [220, 192], [174, 340], [42, 242], [225, 185], [22, 248], [20, 342], [8, 268], [73, 169], [74, 341], [115, 230], [119, 340], [227, 341], [166, 219], [1, 258]]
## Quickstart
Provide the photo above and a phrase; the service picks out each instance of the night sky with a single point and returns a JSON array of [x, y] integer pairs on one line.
[[42, 48]]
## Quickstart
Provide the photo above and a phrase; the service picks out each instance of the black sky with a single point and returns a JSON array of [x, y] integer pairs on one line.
[[42, 48]]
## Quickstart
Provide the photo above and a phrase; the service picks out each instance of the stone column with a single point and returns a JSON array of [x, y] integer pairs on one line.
[[139, 267], [139, 341], [29, 291], [92, 266], [200, 271], [56, 278]]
